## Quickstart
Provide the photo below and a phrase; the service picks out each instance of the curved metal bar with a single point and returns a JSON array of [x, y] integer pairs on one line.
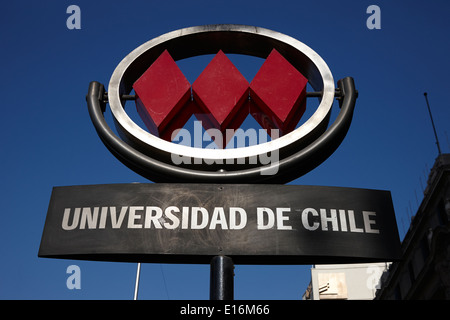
[[289, 168]]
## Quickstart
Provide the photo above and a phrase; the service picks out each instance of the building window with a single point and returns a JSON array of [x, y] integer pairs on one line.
[[332, 286]]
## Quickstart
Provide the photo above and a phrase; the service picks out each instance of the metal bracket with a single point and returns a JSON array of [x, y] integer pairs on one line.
[[314, 94]]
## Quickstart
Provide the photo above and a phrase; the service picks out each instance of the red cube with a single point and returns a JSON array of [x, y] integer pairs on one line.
[[161, 93], [278, 91]]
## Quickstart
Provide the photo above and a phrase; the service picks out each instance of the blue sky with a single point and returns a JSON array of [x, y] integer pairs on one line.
[[48, 139]]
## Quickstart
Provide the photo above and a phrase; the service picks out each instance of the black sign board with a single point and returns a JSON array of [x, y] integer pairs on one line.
[[191, 223]]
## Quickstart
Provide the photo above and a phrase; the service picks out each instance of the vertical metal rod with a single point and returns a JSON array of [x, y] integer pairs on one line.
[[136, 286], [432, 123], [221, 278]]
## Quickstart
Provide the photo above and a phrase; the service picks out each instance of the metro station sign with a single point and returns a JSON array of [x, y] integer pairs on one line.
[[220, 200], [221, 98]]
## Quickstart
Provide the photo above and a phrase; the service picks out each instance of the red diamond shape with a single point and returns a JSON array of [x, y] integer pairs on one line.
[[278, 91], [221, 96], [221, 91], [161, 92]]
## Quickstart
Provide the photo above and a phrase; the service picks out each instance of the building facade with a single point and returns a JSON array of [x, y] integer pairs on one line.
[[424, 270], [423, 273], [358, 281]]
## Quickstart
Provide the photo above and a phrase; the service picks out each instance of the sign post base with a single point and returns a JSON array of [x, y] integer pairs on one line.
[[222, 278]]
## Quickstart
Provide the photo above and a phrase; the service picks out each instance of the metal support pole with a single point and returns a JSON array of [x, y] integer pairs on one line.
[[432, 123], [136, 287], [222, 278]]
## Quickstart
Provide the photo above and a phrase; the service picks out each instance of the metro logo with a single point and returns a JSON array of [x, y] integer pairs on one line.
[[221, 97]]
